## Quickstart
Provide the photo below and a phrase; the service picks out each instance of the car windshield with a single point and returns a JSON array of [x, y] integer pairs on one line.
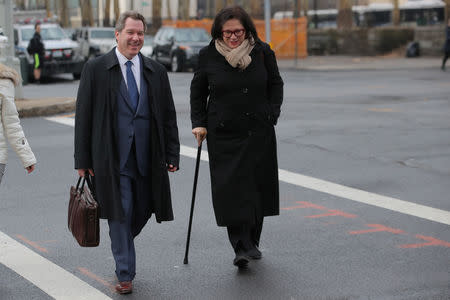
[[191, 35], [49, 33], [102, 34]]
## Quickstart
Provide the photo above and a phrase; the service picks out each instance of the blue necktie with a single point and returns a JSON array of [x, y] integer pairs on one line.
[[132, 87]]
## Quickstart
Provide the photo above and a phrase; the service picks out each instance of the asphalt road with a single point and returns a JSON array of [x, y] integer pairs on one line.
[[383, 132]]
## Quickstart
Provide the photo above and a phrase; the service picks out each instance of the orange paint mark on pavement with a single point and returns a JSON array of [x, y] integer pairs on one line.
[[377, 228], [96, 278], [333, 212], [31, 243], [305, 204], [431, 242]]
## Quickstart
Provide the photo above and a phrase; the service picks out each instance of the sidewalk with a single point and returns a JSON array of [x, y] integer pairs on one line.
[[44, 107], [351, 63], [51, 106]]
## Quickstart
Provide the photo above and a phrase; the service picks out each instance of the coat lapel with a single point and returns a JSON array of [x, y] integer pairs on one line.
[[115, 75]]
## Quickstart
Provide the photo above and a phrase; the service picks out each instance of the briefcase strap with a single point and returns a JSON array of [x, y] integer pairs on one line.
[[86, 179]]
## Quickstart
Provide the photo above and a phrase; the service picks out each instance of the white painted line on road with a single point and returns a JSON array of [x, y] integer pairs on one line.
[[62, 120], [401, 206], [47, 276]]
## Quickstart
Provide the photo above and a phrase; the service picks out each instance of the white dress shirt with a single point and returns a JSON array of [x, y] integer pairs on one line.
[[135, 68]]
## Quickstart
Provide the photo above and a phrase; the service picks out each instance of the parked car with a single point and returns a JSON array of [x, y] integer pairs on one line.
[[178, 48], [62, 55], [95, 41], [69, 32], [3, 39], [147, 49]]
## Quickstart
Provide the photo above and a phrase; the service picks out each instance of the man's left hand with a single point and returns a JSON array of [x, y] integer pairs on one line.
[[172, 168]]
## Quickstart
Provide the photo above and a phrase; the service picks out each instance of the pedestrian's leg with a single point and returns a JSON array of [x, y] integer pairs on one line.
[[2, 171], [122, 244], [37, 67], [255, 233], [444, 61], [239, 236]]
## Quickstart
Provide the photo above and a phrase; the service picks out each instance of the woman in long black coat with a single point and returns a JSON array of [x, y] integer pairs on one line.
[[236, 94]]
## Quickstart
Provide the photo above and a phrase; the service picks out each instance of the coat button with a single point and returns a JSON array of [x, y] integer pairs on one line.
[[245, 90], [247, 114]]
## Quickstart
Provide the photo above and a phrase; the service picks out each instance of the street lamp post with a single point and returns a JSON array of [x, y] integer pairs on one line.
[[7, 54], [267, 18]]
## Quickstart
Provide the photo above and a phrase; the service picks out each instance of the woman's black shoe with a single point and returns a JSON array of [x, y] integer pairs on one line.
[[254, 253], [241, 260]]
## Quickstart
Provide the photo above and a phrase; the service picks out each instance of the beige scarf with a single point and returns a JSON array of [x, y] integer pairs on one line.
[[238, 57]]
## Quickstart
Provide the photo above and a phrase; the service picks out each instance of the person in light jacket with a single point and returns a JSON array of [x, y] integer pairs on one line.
[[10, 124], [236, 95]]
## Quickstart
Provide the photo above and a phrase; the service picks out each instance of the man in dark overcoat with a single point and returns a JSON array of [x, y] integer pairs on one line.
[[126, 137]]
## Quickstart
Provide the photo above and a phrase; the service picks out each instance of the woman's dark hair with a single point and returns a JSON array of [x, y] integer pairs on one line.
[[235, 12]]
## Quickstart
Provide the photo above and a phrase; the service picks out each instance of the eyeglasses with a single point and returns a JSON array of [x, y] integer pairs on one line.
[[229, 33]]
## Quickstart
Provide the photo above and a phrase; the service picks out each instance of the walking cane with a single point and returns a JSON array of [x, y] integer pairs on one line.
[[199, 151]]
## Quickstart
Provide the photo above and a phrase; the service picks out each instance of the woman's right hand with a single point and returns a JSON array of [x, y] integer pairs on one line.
[[200, 134]]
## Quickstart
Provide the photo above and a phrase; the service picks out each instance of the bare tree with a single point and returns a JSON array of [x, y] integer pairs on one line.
[[116, 11], [20, 4], [304, 7], [64, 13], [106, 21], [169, 9], [219, 4], [256, 9], [395, 13], [183, 9], [156, 16], [345, 15], [87, 19], [447, 11], [246, 5], [47, 8]]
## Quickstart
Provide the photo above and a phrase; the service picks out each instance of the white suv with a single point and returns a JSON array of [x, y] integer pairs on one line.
[[62, 55]]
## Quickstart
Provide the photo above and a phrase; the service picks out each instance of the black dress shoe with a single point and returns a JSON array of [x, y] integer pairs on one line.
[[241, 260], [254, 253]]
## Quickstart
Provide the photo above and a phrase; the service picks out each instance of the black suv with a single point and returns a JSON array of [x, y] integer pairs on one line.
[[177, 48]]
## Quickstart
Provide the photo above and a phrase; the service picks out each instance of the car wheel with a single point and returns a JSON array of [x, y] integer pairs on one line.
[[176, 63], [76, 76]]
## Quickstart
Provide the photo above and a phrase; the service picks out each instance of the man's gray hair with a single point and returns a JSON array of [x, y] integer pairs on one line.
[[120, 25]]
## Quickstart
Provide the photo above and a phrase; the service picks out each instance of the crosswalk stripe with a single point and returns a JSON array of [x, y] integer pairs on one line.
[[47, 276]]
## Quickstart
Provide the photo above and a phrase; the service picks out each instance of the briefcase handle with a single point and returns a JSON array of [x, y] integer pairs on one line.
[[86, 179]]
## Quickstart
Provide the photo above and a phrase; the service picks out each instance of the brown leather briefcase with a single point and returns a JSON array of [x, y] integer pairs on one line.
[[83, 215]]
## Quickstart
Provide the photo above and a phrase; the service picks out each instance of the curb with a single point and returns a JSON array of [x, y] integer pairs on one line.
[[28, 108]]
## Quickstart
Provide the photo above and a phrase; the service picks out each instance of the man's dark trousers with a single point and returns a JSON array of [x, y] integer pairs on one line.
[[134, 148]]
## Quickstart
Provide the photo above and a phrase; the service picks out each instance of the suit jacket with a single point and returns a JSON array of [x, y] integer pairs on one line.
[[96, 133]]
